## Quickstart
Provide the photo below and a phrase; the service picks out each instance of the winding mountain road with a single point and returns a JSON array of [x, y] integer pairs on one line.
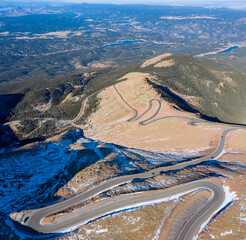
[[81, 112], [110, 205], [127, 201], [33, 219], [132, 108], [192, 121]]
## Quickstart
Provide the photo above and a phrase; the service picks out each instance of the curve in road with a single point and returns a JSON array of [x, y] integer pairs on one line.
[[127, 201], [109, 184], [132, 108], [33, 218], [192, 121], [81, 111]]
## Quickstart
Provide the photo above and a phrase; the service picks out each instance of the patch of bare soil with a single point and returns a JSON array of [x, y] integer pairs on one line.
[[78, 66], [143, 223], [109, 123], [168, 63], [69, 97], [14, 126], [90, 176], [225, 78], [100, 65], [236, 141], [155, 60]]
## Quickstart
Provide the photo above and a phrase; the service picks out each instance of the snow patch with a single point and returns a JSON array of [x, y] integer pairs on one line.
[[96, 230], [190, 152], [102, 230], [221, 154], [226, 233], [131, 220], [242, 217], [229, 196], [83, 140], [158, 231]]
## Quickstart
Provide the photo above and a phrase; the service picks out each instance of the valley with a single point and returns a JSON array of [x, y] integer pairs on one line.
[[87, 37]]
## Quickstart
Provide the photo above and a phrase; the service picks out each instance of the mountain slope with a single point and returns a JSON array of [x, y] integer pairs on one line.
[[122, 122], [214, 89], [211, 89]]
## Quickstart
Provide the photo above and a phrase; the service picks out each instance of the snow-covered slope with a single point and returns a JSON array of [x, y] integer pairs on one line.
[[31, 176]]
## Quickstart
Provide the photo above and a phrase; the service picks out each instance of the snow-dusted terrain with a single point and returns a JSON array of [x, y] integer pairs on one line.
[[30, 177]]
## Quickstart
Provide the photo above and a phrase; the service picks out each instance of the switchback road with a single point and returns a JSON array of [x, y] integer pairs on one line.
[[33, 218], [127, 201]]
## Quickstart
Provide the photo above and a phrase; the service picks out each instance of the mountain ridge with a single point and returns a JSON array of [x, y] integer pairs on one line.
[[209, 89]]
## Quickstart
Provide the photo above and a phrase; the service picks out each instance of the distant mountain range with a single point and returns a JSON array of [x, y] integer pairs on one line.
[[20, 11], [43, 41]]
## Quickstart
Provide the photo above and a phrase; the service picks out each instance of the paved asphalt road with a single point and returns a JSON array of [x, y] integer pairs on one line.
[[127, 201], [193, 121], [133, 109], [211, 207], [80, 112], [33, 218]]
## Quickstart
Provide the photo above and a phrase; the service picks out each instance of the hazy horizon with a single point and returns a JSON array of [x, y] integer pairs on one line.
[[222, 3]]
